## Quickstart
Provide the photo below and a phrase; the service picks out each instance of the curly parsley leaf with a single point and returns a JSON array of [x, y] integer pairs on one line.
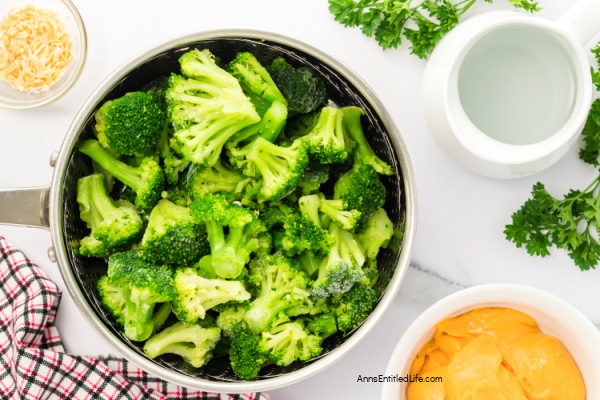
[[590, 150], [571, 224], [596, 73], [423, 25]]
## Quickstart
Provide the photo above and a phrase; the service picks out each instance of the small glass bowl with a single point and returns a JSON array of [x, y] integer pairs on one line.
[[67, 12]]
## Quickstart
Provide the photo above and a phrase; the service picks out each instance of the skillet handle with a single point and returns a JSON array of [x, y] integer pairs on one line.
[[25, 206]]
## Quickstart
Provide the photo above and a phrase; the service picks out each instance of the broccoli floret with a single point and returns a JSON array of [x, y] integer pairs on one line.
[[371, 273], [327, 141], [195, 294], [269, 127], [281, 167], [255, 81], [143, 286], [207, 107], [194, 343], [173, 165], [230, 317], [301, 124], [354, 306], [315, 174], [275, 213], [338, 211], [323, 325], [309, 206], [131, 125], [245, 354], [217, 178], [283, 287], [232, 232], [342, 267], [363, 151], [173, 236], [114, 225], [289, 341], [146, 180], [377, 234], [362, 190], [113, 298], [304, 90], [301, 234]]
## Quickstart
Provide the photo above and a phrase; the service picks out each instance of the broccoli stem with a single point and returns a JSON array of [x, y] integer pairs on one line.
[[225, 260], [264, 309], [98, 206], [363, 150], [130, 176], [138, 315]]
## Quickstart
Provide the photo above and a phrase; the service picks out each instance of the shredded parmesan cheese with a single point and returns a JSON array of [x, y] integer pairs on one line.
[[35, 49]]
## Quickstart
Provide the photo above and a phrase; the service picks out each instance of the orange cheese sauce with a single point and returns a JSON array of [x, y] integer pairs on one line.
[[495, 354]]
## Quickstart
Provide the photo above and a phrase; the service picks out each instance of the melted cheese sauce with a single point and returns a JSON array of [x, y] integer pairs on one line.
[[495, 354]]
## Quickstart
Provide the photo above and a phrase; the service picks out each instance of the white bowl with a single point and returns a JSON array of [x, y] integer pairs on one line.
[[74, 26], [554, 316]]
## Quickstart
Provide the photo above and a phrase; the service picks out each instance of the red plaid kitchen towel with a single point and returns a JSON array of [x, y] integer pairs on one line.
[[33, 362]]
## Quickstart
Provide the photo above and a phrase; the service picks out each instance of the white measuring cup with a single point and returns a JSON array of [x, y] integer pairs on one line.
[[507, 93]]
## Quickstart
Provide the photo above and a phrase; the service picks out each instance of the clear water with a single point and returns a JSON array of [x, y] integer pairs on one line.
[[517, 85]]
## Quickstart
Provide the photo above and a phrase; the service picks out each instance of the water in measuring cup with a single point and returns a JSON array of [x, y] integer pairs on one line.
[[517, 84]]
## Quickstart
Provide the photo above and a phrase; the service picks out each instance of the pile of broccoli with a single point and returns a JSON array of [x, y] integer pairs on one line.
[[237, 209]]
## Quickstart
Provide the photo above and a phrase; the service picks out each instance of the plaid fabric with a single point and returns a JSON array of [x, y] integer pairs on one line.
[[33, 362]]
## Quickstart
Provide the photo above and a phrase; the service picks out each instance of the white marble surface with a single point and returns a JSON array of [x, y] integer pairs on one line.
[[460, 215]]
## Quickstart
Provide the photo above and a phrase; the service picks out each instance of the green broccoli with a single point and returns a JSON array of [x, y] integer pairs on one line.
[[363, 150], [255, 81], [217, 178], [143, 286], [354, 306], [269, 127], [281, 167], [361, 189], [303, 88], [327, 141], [194, 343], [173, 165], [230, 317], [232, 232], [241, 143], [288, 341], [300, 234], [301, 124], [146, 180], [342, 267], [245, 355], [323, 324], [315, 174], [377, 234], [309, 206], [172, 236], [195, 294], [132, 124], [114, 225], [337, 210], [283, 287], [207, 107]]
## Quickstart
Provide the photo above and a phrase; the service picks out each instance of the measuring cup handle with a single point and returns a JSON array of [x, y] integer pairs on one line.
[[582, 20]]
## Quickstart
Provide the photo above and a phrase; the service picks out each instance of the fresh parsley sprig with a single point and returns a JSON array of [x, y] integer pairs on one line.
[[571, 223], [423, 24], [596, 73]]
